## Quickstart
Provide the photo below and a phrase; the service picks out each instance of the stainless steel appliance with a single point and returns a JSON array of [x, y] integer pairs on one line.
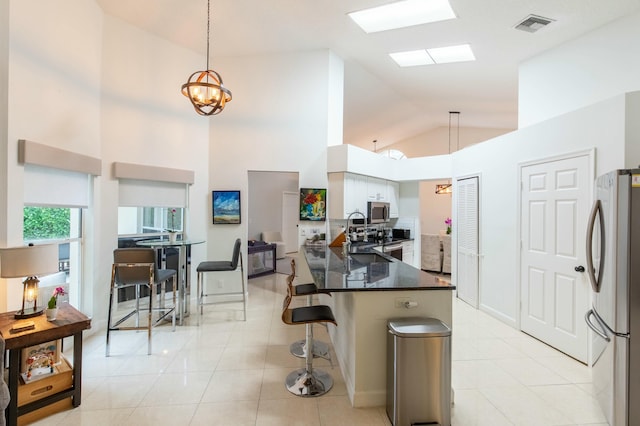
[[378, 212], [613, 265], [401, 233], [393, 250]]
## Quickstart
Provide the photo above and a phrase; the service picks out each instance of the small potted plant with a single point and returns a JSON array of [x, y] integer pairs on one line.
[[448, 223], [172, 230], [52, 305]]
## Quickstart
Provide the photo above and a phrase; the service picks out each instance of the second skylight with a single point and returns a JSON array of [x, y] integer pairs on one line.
[[439, 55]]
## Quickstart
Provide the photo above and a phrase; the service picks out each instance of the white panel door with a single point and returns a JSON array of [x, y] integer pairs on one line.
[[554, 297], [467, 240], [290, 218]]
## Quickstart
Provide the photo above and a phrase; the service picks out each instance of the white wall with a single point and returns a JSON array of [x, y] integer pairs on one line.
[[4, 111], [146, 120], [601, 127], [437, 141], [434, 208], [92, 84], [265, 200], [589, 69], [53, 92], [278, 120]]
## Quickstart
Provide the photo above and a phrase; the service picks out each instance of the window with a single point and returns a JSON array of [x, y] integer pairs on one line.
[[62, 226], [146, 220]]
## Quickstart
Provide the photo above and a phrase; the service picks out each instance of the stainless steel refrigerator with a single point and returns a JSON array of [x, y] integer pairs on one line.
[[613, 265]]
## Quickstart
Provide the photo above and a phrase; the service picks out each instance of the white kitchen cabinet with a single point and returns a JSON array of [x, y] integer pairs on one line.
[[376, 189], [407, 252], [355, 194], [347, 193], [393, 195]]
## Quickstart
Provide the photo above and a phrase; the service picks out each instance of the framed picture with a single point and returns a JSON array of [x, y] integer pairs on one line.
[[38, 361], [226, 207], [313, 204]]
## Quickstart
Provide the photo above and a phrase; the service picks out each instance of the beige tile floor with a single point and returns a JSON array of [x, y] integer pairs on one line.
[[231, 372]]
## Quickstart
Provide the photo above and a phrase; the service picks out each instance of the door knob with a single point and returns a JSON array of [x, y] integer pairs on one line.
[[579, 268]]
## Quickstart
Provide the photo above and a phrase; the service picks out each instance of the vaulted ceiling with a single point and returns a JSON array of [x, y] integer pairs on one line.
[[382, 100]]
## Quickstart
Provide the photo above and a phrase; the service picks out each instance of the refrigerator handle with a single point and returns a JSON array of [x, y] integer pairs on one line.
[[595, 211], [593, 327]]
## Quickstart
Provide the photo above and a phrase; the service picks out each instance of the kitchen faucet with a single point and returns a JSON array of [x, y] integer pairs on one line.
[[365, 239]]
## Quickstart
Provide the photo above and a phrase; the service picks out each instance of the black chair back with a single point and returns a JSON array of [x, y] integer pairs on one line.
[[236, 254]]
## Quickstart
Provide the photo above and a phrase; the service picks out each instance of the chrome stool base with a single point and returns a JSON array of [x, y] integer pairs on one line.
[[302, 383], [320, 349]]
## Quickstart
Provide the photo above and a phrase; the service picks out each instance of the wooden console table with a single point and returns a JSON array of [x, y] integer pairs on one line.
[[69, 322]]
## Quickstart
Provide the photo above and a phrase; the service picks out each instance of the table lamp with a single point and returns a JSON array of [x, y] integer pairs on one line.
[[29, 261]]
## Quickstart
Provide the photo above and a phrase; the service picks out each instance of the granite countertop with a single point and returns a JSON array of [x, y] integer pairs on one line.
[[329, 270]]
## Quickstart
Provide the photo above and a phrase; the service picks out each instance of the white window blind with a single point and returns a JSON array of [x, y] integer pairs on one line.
[[152, 186], [149, 193], [45, 186], [56, 177]]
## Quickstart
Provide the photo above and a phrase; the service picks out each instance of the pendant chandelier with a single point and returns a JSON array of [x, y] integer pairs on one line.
[[204, 88], [446, 188]]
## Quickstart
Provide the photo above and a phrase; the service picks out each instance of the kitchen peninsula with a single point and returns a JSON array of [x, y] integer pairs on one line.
[[368, 289]]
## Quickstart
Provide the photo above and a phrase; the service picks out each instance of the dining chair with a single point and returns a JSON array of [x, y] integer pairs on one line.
[[430, 255], [446, 254], [275, 237], [221, 266], [137, 267]]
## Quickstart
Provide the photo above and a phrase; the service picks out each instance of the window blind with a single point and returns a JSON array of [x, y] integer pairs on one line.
[[45, 186], [149, 193]]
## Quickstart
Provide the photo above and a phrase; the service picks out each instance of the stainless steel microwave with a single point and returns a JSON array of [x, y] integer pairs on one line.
[[377, 212]]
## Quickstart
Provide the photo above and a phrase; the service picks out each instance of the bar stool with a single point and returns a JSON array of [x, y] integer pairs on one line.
[[298, 348], [137, 267], [221, 266], [307, 382]]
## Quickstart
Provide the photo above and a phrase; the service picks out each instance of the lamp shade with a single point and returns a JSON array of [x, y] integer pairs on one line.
[[28, 261]]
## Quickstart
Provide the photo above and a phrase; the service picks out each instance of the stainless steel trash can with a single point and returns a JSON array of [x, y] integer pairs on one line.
[[418, 372]]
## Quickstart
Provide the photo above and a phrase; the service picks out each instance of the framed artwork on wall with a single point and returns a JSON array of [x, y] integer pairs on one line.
[[313, 204], [225, 207]]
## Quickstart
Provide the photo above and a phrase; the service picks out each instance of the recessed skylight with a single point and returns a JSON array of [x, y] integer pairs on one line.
[[439, 55], [402, 14], [460, 53], [412, 58]]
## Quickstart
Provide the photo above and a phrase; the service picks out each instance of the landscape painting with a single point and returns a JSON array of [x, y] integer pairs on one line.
[[226, 207]]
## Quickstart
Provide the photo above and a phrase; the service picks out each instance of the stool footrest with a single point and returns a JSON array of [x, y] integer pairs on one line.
[[320, 349]]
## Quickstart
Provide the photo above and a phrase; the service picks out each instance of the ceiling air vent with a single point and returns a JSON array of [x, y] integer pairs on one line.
[[533, 23]]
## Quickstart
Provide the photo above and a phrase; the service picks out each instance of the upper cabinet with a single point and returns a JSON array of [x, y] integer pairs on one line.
[[349, 192], [376, 189], [393, 195]]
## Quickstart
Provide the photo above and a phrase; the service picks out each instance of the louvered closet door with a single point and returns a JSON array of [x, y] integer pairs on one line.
[[467, 240]]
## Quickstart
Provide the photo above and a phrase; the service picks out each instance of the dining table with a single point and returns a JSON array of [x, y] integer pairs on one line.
[[184, 266]]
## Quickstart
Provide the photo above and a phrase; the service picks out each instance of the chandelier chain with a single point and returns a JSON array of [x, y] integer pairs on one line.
[[208, 26], [204, 89]]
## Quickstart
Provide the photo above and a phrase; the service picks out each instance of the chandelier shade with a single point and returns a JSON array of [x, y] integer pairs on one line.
[[206, 92], [204, 88]]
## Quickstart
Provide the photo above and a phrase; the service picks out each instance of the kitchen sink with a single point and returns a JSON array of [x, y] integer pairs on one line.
[[367, 258]]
